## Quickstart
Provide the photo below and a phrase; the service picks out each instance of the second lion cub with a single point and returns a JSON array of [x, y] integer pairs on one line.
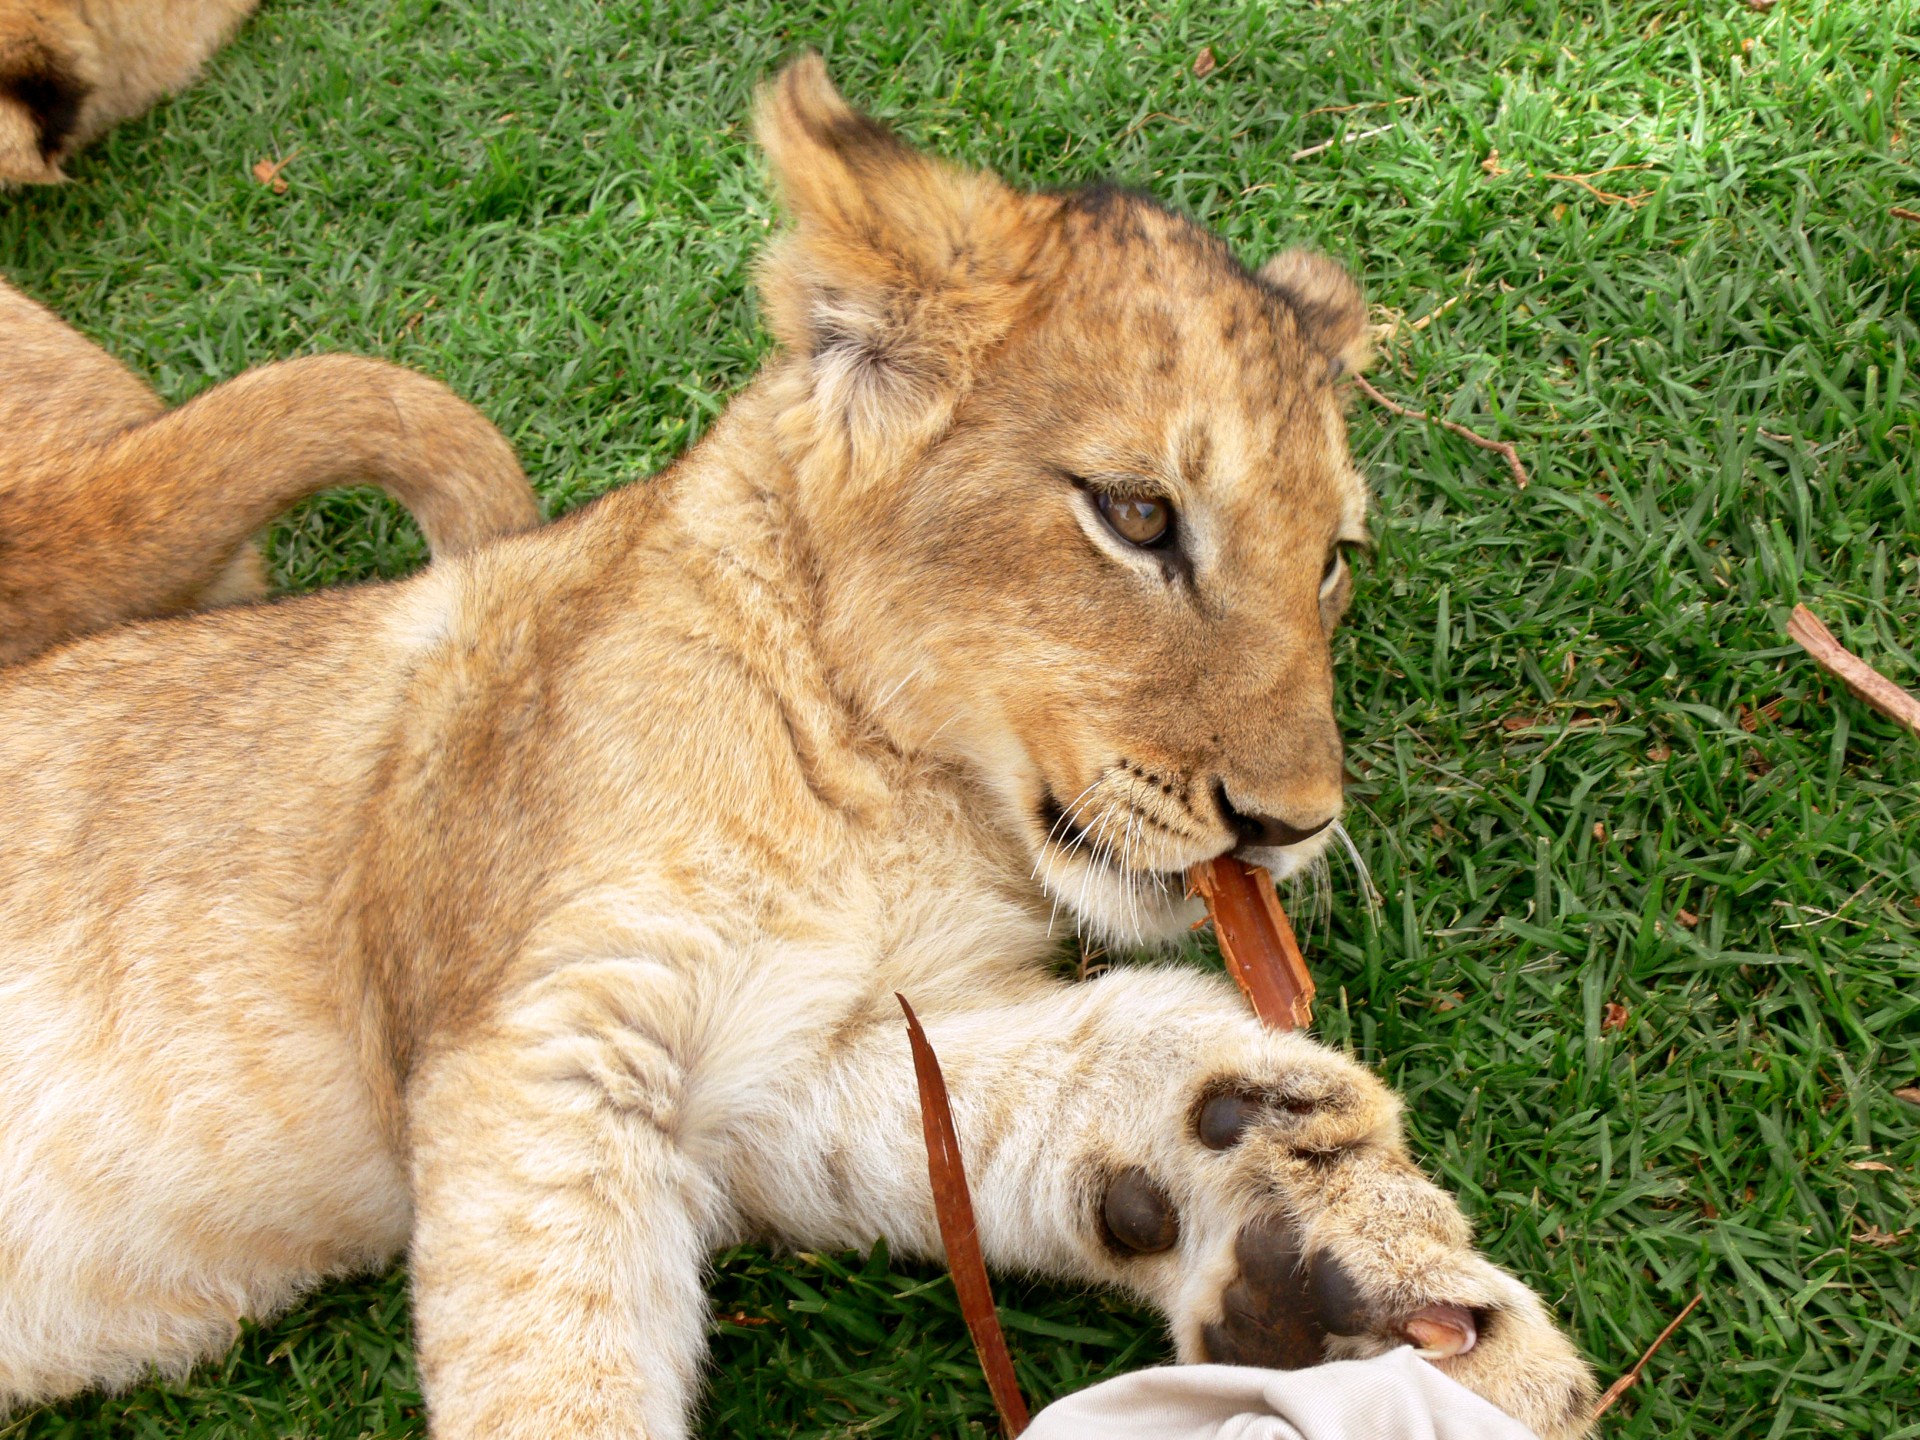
[[70, 69], [114, 508], [540, 915]]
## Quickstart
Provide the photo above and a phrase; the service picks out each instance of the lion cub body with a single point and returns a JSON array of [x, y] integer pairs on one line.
[[542, 913]]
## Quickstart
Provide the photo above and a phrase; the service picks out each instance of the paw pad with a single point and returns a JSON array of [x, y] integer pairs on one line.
[[1223, 1117], [1282, 1307], [1270, 1316], [1139, 1214]]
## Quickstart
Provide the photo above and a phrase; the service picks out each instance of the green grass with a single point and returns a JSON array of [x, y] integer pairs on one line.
[[1572, 708]]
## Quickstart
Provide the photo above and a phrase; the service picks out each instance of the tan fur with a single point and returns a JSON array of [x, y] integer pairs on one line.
[[72, 69], [113, 508], [543, 912]]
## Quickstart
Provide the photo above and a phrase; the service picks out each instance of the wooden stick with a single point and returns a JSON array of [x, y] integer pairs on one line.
[[1256, 941], [953, 1207], [1862, 679], [1499, 447], [1625, 1382]]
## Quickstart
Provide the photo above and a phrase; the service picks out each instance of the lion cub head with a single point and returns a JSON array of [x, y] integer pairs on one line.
[[1078, 489]]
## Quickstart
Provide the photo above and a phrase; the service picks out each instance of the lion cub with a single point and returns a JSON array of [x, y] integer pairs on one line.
[[72, 69], [113, 508], [540, 915]]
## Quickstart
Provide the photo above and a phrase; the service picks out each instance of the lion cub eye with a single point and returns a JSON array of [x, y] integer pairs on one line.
[[1137, 519]]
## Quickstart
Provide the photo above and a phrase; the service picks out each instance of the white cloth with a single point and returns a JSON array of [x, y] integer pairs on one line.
[[1396, 1396]]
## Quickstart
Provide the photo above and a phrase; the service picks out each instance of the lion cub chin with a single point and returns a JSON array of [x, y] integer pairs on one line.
[[72, 69], [540, 915]]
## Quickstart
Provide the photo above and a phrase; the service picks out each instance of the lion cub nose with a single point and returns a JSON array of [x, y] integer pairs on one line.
[[1265, 832]]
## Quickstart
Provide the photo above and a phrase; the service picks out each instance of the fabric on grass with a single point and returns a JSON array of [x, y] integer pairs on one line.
[[1396, 1396]]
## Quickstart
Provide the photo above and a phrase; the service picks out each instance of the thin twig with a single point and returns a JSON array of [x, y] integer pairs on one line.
[[1900, 212], [1632, 202], [1363, 105], [267, 172], [1150, 115], [1350, 138], [1873, 688], [1499, 447], [1606, 170], [1625, 1382]]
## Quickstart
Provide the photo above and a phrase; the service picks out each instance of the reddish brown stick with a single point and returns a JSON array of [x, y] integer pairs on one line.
[[1625, 1382], [1256, 941], [1862, 679], [953, 1207]]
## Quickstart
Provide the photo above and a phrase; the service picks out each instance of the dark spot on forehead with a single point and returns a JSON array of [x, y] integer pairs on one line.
[[1128, 217], [1135, 226]]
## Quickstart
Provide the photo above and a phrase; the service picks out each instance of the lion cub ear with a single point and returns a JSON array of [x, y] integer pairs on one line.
[[1332, 313], [898, 274]]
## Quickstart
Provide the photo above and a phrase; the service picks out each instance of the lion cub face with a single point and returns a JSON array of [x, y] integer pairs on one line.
[[1079, 488]]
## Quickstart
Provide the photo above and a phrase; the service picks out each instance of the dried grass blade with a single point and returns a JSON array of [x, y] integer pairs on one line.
[[953, 1207]]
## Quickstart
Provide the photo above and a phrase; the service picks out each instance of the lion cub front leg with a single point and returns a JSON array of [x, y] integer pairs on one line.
[[1143, 1130], [560, 1233]]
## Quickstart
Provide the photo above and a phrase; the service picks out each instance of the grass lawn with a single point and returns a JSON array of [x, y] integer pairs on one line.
[[1648, 962]]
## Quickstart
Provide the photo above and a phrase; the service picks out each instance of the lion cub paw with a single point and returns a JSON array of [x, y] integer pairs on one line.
[[1278, 1219]]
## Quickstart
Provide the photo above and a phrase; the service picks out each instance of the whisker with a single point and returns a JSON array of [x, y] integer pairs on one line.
[[940, 729], [1043, 862], [1323, 886], [1068, 815], [1134, 827], [1375, 904], [1299, 904], [1087, 867]]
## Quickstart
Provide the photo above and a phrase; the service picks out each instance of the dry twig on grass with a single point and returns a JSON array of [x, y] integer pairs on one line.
[[267, 172], [1433, 315], [1362, 105], [1150, 116], [1585, 182], [1862, 679], [1900, 212], [1499, 447], [1625, 1382], [1352, 137], [953, 1208]]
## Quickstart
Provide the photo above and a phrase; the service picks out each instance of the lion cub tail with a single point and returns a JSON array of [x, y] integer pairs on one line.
[[113, 509]]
